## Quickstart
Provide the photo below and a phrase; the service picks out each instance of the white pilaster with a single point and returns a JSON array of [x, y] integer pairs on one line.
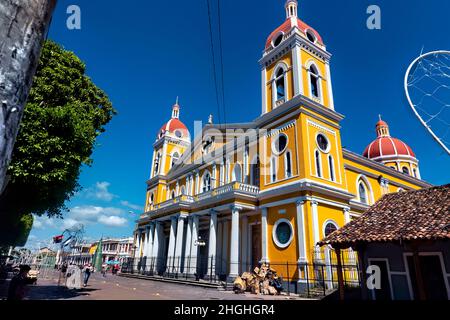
[[212, 254], [264, 242], [346, 215], [297, 70], [315, 221], [330, 86], [264, 90], [234, 246], [301, 232]]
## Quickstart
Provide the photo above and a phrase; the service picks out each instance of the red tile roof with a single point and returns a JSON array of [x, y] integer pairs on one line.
[[413, 215]]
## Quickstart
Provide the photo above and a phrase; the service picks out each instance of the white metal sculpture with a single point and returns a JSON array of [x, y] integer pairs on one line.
[[427, 88]]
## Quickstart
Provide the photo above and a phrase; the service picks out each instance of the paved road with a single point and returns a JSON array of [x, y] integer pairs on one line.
[[121, 288]]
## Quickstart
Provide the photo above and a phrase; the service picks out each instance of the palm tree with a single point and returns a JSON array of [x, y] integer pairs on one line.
[[23, 26]]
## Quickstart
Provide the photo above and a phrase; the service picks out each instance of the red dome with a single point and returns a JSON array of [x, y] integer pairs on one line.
[[172, 125], [387, 146], [287, 26]]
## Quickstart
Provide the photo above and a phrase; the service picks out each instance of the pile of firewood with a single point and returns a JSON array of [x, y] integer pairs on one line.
[[262, 280]]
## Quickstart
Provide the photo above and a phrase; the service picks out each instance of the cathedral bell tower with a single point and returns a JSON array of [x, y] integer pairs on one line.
[[295, 62]]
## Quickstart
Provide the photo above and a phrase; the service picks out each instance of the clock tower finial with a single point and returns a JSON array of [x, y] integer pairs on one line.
[[176, 110]]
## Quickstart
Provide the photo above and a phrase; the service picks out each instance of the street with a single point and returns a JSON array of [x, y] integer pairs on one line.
[[122, 288]]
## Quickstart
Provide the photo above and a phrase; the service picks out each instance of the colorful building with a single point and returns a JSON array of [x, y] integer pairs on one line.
[[267, 190]]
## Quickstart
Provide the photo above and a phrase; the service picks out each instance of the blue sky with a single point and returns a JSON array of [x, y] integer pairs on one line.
[[146, 53]]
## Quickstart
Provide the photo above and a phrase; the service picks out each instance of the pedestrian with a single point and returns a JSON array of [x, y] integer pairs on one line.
[[17, 286], [104, 270], [87, 273]]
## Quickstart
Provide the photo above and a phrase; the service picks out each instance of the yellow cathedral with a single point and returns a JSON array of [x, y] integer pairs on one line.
[[268, 190]]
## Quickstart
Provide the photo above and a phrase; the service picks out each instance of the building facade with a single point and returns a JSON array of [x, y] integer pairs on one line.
[[267, 190], [112, 250]]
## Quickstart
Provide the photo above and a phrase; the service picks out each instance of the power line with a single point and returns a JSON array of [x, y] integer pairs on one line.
[[221, 64], [213, 59]]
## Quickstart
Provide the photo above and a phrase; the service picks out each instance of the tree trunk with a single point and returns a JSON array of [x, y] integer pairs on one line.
[[23, 26]]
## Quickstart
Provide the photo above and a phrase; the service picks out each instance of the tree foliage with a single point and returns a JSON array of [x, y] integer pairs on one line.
[[64, 114]]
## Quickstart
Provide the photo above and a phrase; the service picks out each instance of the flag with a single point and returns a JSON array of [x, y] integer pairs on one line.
[[58, 239], [97, 259]]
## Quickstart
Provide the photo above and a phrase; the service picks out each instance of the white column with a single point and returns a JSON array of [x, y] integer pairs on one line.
[[225, 244], [297, 70], [315, 222], [179, 242], [301, 232], [244, 246], [219, 247], [151, 235], [214, 176], [212, 242], [156, 242], [197, 183], [194, 247], [346, 215], [188, 244], [172, 239], [330, 86], [264, 242], [234, 246], [264, 90]]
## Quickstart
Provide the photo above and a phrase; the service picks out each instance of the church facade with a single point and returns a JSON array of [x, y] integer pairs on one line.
[[270, 189]]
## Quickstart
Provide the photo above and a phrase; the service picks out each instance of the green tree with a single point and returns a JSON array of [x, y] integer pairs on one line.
[[64, 114]]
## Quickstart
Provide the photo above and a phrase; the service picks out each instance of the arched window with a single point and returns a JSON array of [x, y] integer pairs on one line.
[[363, 196], [405, 170], [172, 195], [331, 164], [288, 164], [314, 82], [280, 85], [237, 173], [415, 173], [330, 227], [318, 164], [151, 199], [156, 164], [273, 169], [206, 185], [175, 158]]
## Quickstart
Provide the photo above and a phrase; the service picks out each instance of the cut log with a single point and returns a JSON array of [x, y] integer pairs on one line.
[[239, 285], [272, 291]]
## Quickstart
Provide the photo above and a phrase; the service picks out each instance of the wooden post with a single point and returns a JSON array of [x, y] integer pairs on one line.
[[362, 272], [339, 274], [419, 279]]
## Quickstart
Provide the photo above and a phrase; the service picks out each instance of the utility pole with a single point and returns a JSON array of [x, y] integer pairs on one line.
[[23, 27]]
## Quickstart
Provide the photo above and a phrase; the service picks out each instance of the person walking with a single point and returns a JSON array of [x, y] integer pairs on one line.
[[87, 273], [104, 266]]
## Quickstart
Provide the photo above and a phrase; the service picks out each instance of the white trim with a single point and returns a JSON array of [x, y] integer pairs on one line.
[[444, 270], [274, 139], [363, 178], [327, 222], [327, 150], [389, 276], [330, 86], [264, 90], [310, 63], [274, 233]]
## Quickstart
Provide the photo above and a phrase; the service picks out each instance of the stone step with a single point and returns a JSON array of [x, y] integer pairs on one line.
[[200, 283]]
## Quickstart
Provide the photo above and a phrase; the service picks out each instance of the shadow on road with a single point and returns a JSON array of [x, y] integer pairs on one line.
[[55, 292]]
